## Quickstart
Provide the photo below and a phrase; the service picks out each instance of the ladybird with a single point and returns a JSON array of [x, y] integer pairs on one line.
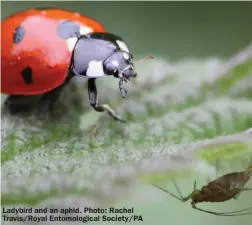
[[42, 50]]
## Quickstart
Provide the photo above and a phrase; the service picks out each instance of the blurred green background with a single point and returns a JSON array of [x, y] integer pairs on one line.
[[170, 29]]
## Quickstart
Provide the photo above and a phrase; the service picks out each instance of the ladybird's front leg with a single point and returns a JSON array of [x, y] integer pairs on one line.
[[93, 99]]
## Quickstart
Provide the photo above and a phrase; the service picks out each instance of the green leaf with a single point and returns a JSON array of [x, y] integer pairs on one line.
[[182, 117]]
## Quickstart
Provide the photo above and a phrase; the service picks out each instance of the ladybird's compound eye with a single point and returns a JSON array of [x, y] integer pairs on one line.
[[129, 72], [110, 68]]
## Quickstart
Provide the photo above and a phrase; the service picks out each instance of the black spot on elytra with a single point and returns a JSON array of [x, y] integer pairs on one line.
[[68, 29], [18, 34], [27, 75]]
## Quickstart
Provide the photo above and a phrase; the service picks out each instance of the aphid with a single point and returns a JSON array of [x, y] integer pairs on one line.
[[222, 189]]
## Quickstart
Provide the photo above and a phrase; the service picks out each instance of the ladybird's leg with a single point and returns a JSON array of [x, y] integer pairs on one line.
[[20, 104], [93, 99], [52, 97]]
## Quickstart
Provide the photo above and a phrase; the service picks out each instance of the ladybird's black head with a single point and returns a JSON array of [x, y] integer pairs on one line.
[[120, 65], [99, 54]]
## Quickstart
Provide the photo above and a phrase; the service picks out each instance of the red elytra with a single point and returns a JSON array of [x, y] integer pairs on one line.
[[41, 49]]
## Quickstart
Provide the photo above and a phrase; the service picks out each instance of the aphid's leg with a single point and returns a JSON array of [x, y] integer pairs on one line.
[[245, 189], [230, 195], [242, 189], [93, 99], [223, 190], [226, 213], [237, 196]]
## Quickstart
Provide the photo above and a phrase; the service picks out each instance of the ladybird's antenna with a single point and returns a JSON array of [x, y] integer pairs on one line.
[[143, 59], [138, 61]]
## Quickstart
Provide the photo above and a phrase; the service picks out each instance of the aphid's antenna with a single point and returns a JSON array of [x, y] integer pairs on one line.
[[194, 186], [180, 197], [162, 189], [184, 199]]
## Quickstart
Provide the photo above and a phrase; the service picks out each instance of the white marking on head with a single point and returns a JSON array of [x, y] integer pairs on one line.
[[122, 46], [95, 69], [71, 43], [3, 99], [85, 30], [115, 63], [126, 56]]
